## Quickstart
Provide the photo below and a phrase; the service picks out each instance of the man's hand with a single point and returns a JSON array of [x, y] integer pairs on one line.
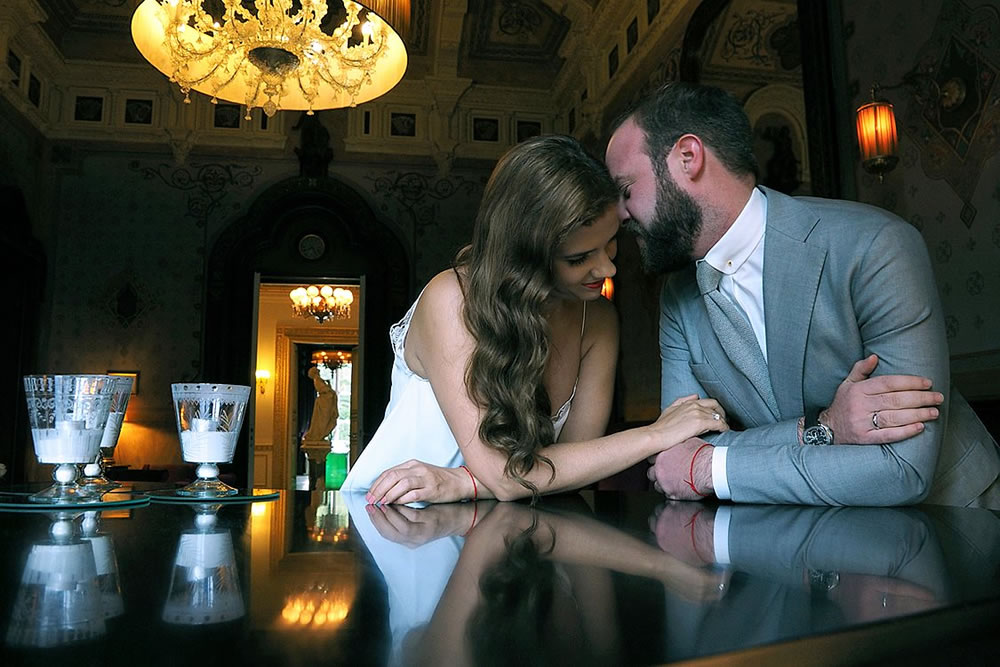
[[902, 402], [672, 468], [686, 531]]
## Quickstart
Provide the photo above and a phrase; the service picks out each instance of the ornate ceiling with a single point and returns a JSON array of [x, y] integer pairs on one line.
[[501, 42], [516, 65]]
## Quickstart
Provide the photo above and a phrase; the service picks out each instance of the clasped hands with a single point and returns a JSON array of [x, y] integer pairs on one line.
[[865, 411]]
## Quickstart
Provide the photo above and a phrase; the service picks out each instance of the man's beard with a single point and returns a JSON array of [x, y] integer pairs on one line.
[[666, 243]]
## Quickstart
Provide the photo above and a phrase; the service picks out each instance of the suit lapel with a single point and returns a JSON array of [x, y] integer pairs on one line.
[[792, 269]]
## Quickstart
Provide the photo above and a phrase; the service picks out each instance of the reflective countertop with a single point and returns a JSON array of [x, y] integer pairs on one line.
[[599, 577]]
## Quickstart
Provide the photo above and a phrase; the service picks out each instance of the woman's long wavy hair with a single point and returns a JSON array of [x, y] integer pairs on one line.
[[540, 192]]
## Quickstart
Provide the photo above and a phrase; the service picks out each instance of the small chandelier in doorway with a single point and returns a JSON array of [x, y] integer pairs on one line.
[[323, 302]]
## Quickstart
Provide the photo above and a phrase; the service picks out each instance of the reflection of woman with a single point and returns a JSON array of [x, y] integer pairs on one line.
[[325, 410], [534, 587], [506, 363]]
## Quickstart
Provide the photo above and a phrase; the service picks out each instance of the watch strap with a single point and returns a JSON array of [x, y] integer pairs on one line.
[[812, 416]]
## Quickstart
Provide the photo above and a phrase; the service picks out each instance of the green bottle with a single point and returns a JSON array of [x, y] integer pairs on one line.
[[336, 468]]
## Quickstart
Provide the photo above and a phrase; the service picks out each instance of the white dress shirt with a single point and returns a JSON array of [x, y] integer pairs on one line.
[[739, 255]]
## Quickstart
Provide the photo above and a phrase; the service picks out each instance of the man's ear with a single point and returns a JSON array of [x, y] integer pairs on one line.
[[689, 154]]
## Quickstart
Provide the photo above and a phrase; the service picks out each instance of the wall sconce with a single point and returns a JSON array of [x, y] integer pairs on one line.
[[877, 136], [262, 377]]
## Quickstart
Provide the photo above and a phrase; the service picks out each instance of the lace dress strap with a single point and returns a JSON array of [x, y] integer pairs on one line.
[[559, 418], [397, 332]]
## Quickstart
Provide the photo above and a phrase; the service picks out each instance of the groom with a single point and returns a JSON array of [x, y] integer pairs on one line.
[[770, 304]]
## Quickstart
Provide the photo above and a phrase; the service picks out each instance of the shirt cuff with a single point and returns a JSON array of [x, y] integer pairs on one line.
[[721, 534], [719, 479]]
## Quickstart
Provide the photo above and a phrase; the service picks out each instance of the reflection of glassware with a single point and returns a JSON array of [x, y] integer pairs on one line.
[[59, 601], [205, 586], [209, 417], [332, 519], [107, 565], [93, 472], [67, 414]]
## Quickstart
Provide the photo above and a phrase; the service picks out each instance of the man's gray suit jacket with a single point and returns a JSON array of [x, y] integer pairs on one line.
[[842, 280]]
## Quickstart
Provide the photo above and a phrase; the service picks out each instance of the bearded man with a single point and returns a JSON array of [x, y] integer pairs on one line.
[[815, 323]]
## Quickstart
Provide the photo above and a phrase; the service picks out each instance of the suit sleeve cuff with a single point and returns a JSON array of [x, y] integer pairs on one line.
[[721, 535], [719, 479]]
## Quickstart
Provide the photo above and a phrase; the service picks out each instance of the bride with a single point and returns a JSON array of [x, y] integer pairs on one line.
[[504, 366]]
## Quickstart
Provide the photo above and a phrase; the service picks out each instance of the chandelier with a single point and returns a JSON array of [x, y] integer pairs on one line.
[[323, 302], [273, 53], [332, 359]]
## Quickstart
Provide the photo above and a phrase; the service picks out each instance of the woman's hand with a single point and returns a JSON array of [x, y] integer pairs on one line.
[[687, 417], [415, 481], [416, 527]]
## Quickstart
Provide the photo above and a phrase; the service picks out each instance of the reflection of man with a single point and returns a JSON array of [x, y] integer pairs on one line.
[[819, 569], [788, 296]]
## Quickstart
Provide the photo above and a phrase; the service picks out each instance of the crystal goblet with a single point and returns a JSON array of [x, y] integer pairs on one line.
[[108, 581], [205, 586], [93, 472], [58, 601], [67, 415], [209, 417]]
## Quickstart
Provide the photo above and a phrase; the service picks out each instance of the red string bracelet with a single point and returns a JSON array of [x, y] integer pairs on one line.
[[694, 544], [690, 480], [475, 513], [475, 487]]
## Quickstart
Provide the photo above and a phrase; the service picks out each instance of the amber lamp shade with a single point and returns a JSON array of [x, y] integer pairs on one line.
[[877, 137]]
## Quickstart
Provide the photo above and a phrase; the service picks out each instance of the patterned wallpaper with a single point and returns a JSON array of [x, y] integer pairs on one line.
[[127, 255], [947, 183]]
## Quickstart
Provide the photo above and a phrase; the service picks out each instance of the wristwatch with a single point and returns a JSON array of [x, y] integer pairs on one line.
[[814, 431]]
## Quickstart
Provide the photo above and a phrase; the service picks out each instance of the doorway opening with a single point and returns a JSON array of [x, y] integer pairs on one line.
[[316, 400]]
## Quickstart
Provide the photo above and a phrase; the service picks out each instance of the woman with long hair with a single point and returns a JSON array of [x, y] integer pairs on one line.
[[504, 366]]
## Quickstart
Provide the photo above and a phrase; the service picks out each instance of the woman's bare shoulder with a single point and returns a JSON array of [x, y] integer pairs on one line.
[[437, 330], [442, 296]]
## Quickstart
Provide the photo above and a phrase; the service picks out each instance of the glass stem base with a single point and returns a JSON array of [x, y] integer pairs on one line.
[[94, 478], [65, 489], [208, 484]]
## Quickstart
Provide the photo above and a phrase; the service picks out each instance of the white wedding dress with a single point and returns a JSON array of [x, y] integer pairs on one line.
[[414, 426]]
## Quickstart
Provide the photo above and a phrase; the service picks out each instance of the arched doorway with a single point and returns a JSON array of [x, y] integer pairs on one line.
[[268, 241]]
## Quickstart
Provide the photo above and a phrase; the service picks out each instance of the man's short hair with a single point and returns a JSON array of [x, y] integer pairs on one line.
[[710, 113]]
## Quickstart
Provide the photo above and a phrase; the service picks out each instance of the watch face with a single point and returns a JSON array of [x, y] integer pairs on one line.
[[817, 435]]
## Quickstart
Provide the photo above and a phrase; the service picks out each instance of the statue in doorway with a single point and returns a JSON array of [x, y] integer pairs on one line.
[[314, 149], [325, 409]]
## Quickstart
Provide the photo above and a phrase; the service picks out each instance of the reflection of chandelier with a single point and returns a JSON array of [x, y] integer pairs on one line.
[[332, 359], [275, 55], [323, 302], [317, 608]]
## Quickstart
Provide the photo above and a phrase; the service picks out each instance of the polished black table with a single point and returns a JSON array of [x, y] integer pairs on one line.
[[599, 577]]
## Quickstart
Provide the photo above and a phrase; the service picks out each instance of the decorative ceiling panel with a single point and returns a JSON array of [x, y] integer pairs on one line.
[[755, 37], [515, 30]]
